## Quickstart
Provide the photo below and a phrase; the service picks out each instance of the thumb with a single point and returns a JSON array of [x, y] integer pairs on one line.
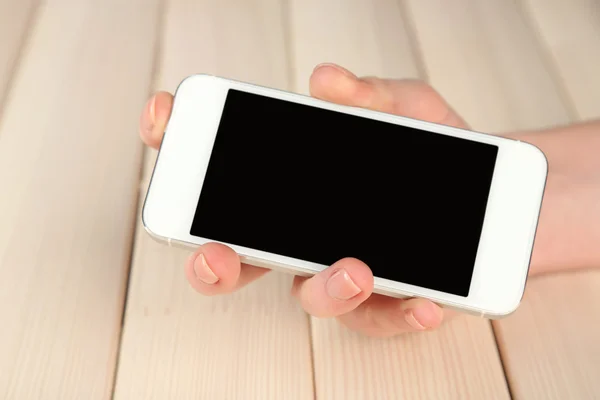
[[407, 97]]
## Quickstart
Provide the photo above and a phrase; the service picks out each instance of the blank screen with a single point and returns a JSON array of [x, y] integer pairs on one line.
[[320, 185]]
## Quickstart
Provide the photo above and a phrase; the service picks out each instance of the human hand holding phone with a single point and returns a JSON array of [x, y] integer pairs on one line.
[[344, 290]]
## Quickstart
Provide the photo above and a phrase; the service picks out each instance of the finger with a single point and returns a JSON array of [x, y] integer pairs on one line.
[[216, 269], [407, 97], [155, 117], [336, 84], [384, 316], [336, 290]]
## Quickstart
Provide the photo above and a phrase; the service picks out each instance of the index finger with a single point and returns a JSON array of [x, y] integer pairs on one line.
[[154, 118]]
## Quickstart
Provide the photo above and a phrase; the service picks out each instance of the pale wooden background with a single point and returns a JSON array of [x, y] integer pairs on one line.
[[92, 308]]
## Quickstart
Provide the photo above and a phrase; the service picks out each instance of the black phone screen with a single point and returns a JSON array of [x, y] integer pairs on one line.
[[320, 185]]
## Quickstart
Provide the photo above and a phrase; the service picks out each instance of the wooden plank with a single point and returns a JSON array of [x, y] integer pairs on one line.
[[178, 344], [69, 167], [550, 345], [458, 361], [570, 35], [350, 34], [484, 59], [15, 21]]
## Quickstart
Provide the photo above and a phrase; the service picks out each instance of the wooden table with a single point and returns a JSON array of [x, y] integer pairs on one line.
[[91, 307]]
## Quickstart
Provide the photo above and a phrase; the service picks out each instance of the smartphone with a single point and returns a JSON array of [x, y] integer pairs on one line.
[[295, 183]]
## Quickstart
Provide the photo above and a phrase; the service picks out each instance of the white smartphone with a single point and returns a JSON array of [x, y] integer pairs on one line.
[[295, 183]]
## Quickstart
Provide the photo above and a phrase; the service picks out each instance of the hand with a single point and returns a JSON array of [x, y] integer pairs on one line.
[[344, 290]]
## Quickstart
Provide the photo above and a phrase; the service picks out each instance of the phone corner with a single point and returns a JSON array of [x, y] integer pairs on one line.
[[148, 226], [157, 238], [504, 312], [536, 154], [149, 230], [194, 80]]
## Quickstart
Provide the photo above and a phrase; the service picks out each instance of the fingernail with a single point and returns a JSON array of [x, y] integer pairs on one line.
[[341, 287], [337, 67], [203, 271], [152, 111], [409, 316], [148, 116]]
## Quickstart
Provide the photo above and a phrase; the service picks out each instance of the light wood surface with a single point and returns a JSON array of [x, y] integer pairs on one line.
[[15, 21], [367, 37], [74, 77], [569, 33], [253, 344], [69, 166], [177, 344], [484, 60], [550, 345], [433, 365]]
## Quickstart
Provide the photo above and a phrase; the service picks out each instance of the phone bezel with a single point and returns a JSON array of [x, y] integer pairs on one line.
[[501, 266]]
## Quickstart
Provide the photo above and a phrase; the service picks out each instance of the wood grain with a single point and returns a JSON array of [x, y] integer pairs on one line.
[[550, 345], [459, 361], [350, 33], [69, 166], [15, 21], [569, 33], [177, 344], [485, 61]]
